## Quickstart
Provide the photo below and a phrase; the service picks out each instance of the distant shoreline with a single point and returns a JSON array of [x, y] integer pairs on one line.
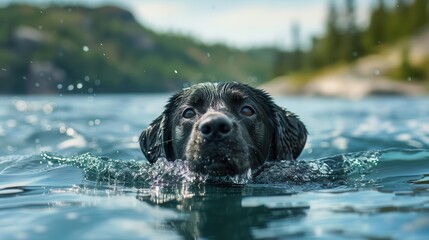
[[346, 88]]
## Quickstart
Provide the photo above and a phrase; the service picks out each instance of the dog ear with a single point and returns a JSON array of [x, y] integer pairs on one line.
[[152, 140], [290, 135], [155, 140]]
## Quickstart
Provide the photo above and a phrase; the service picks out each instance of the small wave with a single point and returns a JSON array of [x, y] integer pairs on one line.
[[324, 172], [350, 170], [386, 170], [140, 173], [104, 169]]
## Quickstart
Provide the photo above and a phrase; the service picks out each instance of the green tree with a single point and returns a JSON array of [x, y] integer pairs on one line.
[[350, 43], [332, 35], [406, 70], [399, 21], [375, 35], [419, 16]]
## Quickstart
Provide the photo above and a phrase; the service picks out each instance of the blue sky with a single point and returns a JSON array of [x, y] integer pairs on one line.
[[239, 23]]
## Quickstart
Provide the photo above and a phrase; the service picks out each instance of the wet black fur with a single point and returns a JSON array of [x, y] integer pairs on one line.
[[272, 133]]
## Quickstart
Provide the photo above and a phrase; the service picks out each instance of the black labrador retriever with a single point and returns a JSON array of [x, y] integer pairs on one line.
[[223, 129]]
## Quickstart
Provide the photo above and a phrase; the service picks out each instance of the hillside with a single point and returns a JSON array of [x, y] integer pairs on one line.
[[388, 55], [375, 74], [104, 50]]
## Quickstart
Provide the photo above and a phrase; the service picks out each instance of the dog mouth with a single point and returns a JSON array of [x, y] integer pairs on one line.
[[216, 166], [220, 159]]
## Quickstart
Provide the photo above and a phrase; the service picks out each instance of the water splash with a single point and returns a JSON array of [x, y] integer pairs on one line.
[[102, 169], [166, 180], [238, 179], [130, 173], [322, 173], [361, 162], [162, 173]]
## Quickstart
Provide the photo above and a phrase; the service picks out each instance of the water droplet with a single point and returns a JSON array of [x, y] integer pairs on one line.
[[59, 86], [47, 128], [21, 106], [70, 132], [85, 48], [86, 78], [70, 87], [48, 108], [208, 55], [62, 129], [175, 71], [79, 86]]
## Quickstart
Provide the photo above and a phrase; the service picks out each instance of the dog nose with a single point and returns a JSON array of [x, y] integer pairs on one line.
[[215, 127]]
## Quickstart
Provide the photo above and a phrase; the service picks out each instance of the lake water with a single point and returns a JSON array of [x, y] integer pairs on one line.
[[71, 168]]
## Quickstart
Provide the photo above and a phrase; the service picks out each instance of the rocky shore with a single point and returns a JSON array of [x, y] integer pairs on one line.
[[365, 77], [345, 84]]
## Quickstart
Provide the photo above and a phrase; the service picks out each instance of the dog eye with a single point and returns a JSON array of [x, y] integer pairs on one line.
[[247, 111], [188, 113]]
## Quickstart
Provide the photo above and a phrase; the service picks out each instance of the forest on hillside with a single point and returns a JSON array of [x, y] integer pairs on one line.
[[344, 41], [75, 49]]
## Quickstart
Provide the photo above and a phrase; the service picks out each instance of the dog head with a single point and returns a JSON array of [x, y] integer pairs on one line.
[[223, 129]]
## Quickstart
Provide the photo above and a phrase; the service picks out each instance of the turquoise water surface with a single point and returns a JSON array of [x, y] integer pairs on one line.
[[71, 168]]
